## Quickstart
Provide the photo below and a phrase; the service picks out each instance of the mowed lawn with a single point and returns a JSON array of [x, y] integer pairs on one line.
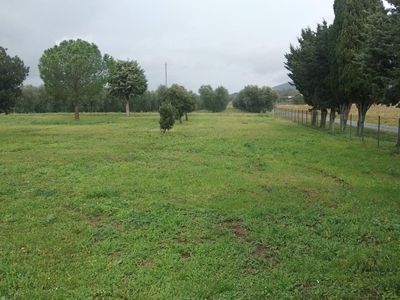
[[224, 206]]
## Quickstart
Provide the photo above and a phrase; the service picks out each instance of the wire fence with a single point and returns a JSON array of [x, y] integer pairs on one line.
[[377, 133]]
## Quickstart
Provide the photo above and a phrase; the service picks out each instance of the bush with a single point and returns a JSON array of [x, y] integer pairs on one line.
[[167, 116]]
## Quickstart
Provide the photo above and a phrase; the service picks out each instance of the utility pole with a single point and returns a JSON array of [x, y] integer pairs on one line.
[[166, 76]]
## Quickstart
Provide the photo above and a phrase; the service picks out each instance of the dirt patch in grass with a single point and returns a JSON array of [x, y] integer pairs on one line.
[[116, 253], [260, 251], [148, 265], [186, 255], [237, 228], [310, 194], [242, 234]]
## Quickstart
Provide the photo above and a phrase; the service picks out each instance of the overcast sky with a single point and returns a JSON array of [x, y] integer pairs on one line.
[[232, 43]]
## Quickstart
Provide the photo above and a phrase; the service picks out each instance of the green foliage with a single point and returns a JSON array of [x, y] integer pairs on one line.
[[349, 31], [12, 74], [214, 101], [127, 79], [161, 94], [301, 63], [34, 99], [183, 101], [167, 116], [73, 71], [298, 99], [254, 99]]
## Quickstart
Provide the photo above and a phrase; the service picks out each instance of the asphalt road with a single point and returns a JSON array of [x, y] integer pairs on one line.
[[372, 126], [367, 125]]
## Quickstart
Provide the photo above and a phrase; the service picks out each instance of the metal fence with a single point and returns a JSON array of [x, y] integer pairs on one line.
[[380, 134]]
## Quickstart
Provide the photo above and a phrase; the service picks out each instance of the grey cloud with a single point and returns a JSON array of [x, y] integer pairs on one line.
[[232, 43]]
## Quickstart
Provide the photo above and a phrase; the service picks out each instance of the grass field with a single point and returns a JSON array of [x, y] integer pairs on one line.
[[389, 115], [225, 206]]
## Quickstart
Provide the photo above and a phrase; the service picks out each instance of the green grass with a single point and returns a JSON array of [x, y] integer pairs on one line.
[[225, 206]]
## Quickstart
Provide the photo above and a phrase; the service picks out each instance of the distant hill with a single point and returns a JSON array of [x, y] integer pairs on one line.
[[284, 86]]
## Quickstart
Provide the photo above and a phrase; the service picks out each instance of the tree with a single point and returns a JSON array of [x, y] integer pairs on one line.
[[351, 18], [167, 116], [181, 100], [142, 103], [33, 99], [214, 101], [73, 71], [221, 99], [394, 33], [379, 59], [325, 96], [298, 99], [127, 79], [207, 96], [255, 99], [301, 62], [12, 74]]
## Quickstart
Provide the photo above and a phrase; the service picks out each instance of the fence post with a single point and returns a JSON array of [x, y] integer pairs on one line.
[[398, 138], [302, 117], [306, 118], [379, 130]]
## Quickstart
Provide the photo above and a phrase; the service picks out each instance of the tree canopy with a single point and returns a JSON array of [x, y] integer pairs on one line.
[[182, 100], [349, 28], [214, 100], [73, 71], [12, 74], [254, 99], [127, 80]]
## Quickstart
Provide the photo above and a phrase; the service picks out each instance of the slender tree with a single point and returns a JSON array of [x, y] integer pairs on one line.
[[12, 74], [351, 18], [221, 99], [207, 96], [301, 63]]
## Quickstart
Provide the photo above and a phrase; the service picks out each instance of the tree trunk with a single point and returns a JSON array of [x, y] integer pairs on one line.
[[313, 117], [332, 117], [128, 113], [186, 116], [362, 108], [324, 113], [76, 104], [344, 110]]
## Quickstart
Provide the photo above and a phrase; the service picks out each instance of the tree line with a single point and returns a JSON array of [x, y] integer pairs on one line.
[[77, 77], [355, 60]]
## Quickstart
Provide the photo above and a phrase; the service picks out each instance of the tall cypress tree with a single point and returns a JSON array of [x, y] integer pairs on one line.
[[351, 18], [393, 50], [301, 63], [322, 74]]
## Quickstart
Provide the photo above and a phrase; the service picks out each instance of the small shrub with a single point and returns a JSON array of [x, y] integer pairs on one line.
[[167, 116]]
